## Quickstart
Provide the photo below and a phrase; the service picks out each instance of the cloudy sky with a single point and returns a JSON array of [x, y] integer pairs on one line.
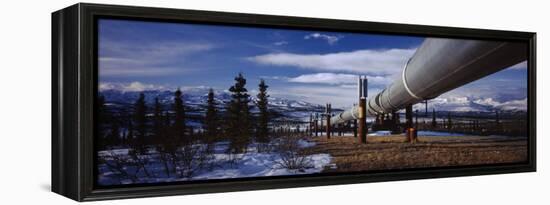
[[314, 66]]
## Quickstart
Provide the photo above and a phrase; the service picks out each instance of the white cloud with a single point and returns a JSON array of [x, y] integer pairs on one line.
[[337, 79], [379, 62], [151, 50], [129, 87], [127, 68], [125, 59], [331, 40], [280, 43]]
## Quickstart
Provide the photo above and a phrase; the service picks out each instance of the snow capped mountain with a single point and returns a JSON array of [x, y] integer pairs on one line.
[[196, 98], [468, 104], [193, 96]]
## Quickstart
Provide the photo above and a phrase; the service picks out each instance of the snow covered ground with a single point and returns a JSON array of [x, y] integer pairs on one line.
[[261, 164], [438, 134], [250, 164]]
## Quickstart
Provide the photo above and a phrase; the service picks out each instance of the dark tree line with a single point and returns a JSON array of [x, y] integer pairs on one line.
[[166, 131]]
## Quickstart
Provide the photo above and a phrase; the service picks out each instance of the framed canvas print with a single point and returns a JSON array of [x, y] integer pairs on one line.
[[153, 102]]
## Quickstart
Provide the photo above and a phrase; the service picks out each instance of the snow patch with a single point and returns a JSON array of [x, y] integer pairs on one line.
[[259, 165], [438, 134], [250, 164], [305, 144], [380, 133], [420, 133]]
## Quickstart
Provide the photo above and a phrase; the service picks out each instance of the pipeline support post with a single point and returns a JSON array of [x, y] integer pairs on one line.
[[411, 132], [355, 128], [328, 116], [362, 122], [311, 121], [362, 118], [315, 125]]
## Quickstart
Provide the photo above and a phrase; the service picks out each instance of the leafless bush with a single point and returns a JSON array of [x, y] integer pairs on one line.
[[140, 159], [190, 159], [291, 155], [121, 165]]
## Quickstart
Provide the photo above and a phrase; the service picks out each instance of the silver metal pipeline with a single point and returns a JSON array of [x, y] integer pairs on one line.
[[440, 65]]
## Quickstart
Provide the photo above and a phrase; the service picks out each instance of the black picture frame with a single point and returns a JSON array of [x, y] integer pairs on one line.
[[74, 89]]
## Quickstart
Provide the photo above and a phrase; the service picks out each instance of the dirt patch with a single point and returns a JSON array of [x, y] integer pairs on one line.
[[392, 152]]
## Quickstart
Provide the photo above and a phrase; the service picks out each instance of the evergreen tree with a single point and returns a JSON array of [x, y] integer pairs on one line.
[[211, 122], [170, 144], [179, 117], [130, 136], [238, 120], [262, 134], [139, 143], [158, 122], [140, 119], [166, 121], [114, 134], [100, 133], [101, 110]]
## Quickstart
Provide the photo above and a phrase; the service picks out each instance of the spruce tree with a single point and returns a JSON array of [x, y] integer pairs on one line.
[[114, 134], [158, 122], [140, 142], [100, 133], [102, 111], [170, 144], [238, 119], [130, 137], [140, 119], [262, 135], [211, 122], [179, 117]]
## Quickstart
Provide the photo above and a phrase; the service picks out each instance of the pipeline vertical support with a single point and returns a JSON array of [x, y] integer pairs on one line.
[[328, 116], [347, 128], [362, 128], [321, 120], [362, 121], [408, 116], [426, 107], [309, 128], [416, 119], [332, 128], [355, 128], [411, 132], [315, 126]]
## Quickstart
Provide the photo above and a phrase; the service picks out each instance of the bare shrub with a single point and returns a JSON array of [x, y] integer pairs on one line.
[[141, 160], [121, 165], [292, 156], [190, 159]]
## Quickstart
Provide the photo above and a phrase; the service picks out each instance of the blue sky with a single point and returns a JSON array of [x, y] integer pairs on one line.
[[314, 66]]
